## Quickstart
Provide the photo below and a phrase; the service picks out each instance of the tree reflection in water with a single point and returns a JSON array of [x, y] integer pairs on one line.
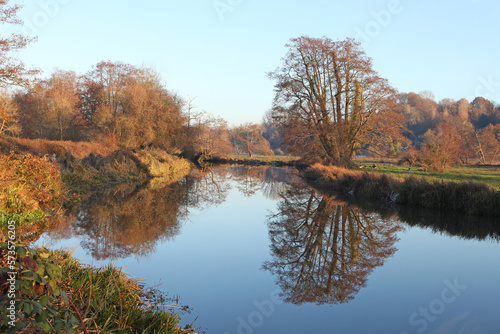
[[323, 250], [129, 220]]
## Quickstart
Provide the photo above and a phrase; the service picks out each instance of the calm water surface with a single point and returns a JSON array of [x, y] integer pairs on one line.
[[254, 250]]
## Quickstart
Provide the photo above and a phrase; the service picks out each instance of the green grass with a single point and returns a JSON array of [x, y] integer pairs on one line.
[[111, 302], [55, 293], [483, 174]]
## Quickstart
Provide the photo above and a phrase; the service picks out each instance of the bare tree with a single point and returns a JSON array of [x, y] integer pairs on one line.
[[247, 138], [330, 92], [13, 71]]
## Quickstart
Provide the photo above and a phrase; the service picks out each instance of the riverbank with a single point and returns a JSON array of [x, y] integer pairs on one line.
[[488, 174], [255, 160], [464, 197], [39, 177], [82, 299], [39, 180]]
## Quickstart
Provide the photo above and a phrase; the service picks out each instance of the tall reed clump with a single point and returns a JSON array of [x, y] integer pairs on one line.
[[465, 197], [30, 188]]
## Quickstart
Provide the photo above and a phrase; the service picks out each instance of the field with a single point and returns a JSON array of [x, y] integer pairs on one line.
[[489, 174]]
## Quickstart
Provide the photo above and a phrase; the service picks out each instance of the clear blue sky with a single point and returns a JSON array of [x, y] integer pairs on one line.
[[221, 57]]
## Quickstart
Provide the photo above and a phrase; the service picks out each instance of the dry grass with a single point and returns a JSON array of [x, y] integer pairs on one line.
[[42, 147], [161, 164]]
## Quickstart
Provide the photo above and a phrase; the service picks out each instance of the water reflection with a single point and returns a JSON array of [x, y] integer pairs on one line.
[[121, 223], [130, 220], [442, 222], [452, 224], [323, 249]]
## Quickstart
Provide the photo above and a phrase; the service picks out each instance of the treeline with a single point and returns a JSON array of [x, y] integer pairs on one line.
[[124, 103], [416, 130], [331, 105], [448, 132], [129, 105]]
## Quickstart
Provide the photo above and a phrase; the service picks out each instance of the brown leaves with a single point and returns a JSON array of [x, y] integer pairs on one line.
[[30, 263]]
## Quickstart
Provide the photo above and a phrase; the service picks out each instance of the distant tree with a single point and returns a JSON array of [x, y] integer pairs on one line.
[[247, 138], [482, 112], [62, 105], [9, 123], [489, 141], [91, 104], [470, 148], [33, 112], [13, 71], [102, 93], [442, 146], [214, 136], [463, 109], [330, 93], [421, 112], [273, 131], [204, 133], [49, 109], [447, 108], [428, 95], [386, 137]]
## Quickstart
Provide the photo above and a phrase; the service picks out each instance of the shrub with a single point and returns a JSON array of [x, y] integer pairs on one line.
[[31, 187]]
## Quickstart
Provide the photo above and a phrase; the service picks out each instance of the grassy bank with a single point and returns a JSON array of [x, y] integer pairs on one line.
[[464, 197], [124, 166], [56, 293], [36, 184], [489, 175]]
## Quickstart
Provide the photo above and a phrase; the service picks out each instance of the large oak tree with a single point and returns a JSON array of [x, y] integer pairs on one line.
[[330, 93]]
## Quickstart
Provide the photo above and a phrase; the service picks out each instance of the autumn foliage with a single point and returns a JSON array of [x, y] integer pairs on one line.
[[30, 185]]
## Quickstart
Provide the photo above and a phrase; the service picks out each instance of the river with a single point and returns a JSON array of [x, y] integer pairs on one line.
[[256, 250]]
